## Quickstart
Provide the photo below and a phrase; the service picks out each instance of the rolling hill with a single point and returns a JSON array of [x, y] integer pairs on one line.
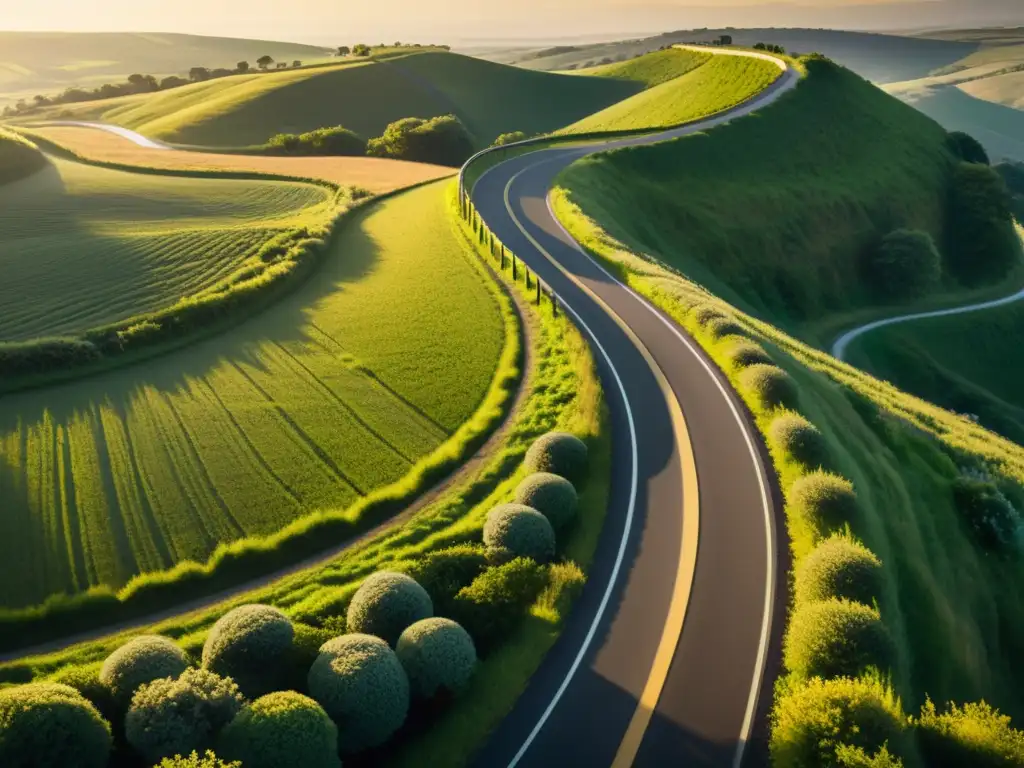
[[18, 157]]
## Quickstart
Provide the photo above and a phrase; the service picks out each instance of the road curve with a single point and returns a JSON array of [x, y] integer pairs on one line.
[[124, 133], [664, 659]]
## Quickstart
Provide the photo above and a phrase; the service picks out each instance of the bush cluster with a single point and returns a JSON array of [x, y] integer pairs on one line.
[[705, 313], [967, 148], [44, 724], [444, 572], [509, 138], [281, 730], [974, 735], [720, 327], [386, 603], [796, 437], [551, 495], [771, 385], [991, 516], [360, 683], [836, 638], [337, 141], [251, 645], [139, 661], [438, 656], [825, 502], [86, 680], [983, 245], [497, 600], [440, 140], [560, 454], [839, 567], [176, 717], [744, 354], [514, 530], [905, 265], [208, 760]]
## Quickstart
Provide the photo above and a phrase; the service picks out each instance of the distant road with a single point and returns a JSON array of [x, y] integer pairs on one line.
[[669, 656], [125, 133]]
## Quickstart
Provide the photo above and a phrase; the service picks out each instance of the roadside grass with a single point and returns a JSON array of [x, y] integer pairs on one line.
[[85, 246], [359, 378], [653, 68], [18, 157], [564, 394], [718, 84]]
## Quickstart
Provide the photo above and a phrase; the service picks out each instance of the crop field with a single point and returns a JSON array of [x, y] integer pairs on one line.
[[711, 87], [334, 392], [84, 246], [378, 175]]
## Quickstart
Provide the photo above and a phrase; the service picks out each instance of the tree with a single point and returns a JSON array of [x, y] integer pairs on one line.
[[361, 49], [983, 245], [198, 74], [905, 265], [264, 61], [172, 82], [40, 100], [242, 67], [296, 63], [442, 140], [967, 148], [725, 40], [344, 50]]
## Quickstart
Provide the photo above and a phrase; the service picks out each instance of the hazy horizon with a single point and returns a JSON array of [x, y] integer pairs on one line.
[[317, 21]]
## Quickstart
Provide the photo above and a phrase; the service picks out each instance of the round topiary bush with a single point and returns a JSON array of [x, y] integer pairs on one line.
[[823, 502], [834, 638], [176, 717], [551, 495], [361, 684], [560, 454], [744, 354], [839, 568], [86, 680], [811, 720], [720, 327], [250, 644], [797, 437], [771, 385], [512, 531], [139, 661], [705, 313], [906, 264], [386, 603], [438, 655], [281, 730], [43, 724]]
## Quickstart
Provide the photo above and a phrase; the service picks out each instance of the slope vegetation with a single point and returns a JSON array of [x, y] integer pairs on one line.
[[654, 68], [18, 157]]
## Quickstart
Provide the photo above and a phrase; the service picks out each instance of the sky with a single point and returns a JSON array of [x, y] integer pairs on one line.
[[327, 21]]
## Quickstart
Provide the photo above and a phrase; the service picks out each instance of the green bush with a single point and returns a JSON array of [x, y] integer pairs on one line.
[[444, 572], [560, 454], [967, 148], [359, 681], [209, 760], [974, 735], [796, 437], [839, 567], [282, 730], [497, 600], [991, 516], [720, 327], [139, 661], [983, 245], [551, 495], [48, 724], [177, 717], [438, 655], [744, 354], [835, 638], [705, 313], [509, 138], [85, 679], [813, 721], [823, 501], [513, 530], [250, 644], [441, 140], [771, 385], [856, 757], [386, 603], [337, 141], [905, 265]]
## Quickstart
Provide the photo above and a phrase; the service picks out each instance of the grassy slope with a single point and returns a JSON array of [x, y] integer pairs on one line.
[[718, 84], [18, 157], [364, 97], [84, 246], [654, 68], [825, 172], [332, 393]]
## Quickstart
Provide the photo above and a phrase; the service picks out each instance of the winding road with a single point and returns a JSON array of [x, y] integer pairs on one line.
[[671, 652]]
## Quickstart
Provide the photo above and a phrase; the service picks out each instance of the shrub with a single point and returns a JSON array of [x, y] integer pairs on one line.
[[139, 661], [497, 600], [176, 717], [282, 730], [337, 141], [814, 720], [444, 572], [905, 265], [825, 502], [441, 140], [209, 760], [560, 454], [744, 354], [983, 245], [551, 495], [509, 138], [842, 568], [705, 313], [86, 680], [975, 735], [438, 655], [513, 530], [361, 684], [989, 514], [720, 327], [797, 437], [386, 603], [44, 724], [833, 638], [856, 757], [967, 148], [250, 644], [771, 385]]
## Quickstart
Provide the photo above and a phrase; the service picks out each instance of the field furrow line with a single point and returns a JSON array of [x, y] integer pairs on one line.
[[71, 524]]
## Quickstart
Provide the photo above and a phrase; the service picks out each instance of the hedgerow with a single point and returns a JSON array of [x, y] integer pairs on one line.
[[551, 495], [797, 438], [836, 638], [360, 683], [251, 645], [771, 386], [823, 501], [139, 661], [48, 724], [177, 717], [975, 735], [839, 567], [497, 600], [281, 730], [386, 603], [514, 530], [560, 454], [438, 655]]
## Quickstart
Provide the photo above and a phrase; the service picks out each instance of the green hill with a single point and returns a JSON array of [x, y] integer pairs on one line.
[[654, 68], [18, 157], [490, 99]]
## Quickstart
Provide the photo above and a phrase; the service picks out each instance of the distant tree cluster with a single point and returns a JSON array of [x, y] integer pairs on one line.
[[769, 47], [442, 140], [364, 50]]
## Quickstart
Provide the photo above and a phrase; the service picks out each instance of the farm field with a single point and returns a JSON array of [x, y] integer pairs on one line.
[[376, 175], [86, 246], [333, 392]]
